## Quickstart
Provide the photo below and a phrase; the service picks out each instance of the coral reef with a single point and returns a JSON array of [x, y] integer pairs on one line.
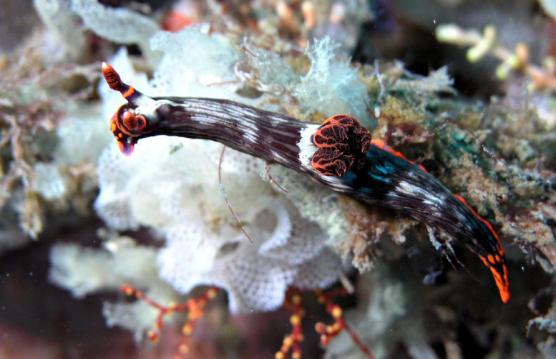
[[180, 217]]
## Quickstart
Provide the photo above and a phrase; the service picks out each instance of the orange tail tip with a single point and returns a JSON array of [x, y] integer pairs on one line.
[[494, 262], [499, 272]]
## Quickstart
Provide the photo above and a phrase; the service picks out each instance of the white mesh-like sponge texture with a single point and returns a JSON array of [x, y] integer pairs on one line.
[[171, 185]]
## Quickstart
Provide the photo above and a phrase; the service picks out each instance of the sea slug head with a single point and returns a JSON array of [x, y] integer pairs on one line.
[[128, 124], [127, 127]]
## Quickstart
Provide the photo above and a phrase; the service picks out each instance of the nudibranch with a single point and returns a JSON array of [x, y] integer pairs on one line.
[[340, 153]]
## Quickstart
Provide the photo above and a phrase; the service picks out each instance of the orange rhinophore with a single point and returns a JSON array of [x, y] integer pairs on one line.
[[115, 82]]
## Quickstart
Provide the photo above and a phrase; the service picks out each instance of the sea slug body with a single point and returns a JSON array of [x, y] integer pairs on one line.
[[340, 154]]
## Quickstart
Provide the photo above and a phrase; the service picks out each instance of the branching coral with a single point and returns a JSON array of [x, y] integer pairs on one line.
[[84, 271], [292, 341], [194, 307]]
